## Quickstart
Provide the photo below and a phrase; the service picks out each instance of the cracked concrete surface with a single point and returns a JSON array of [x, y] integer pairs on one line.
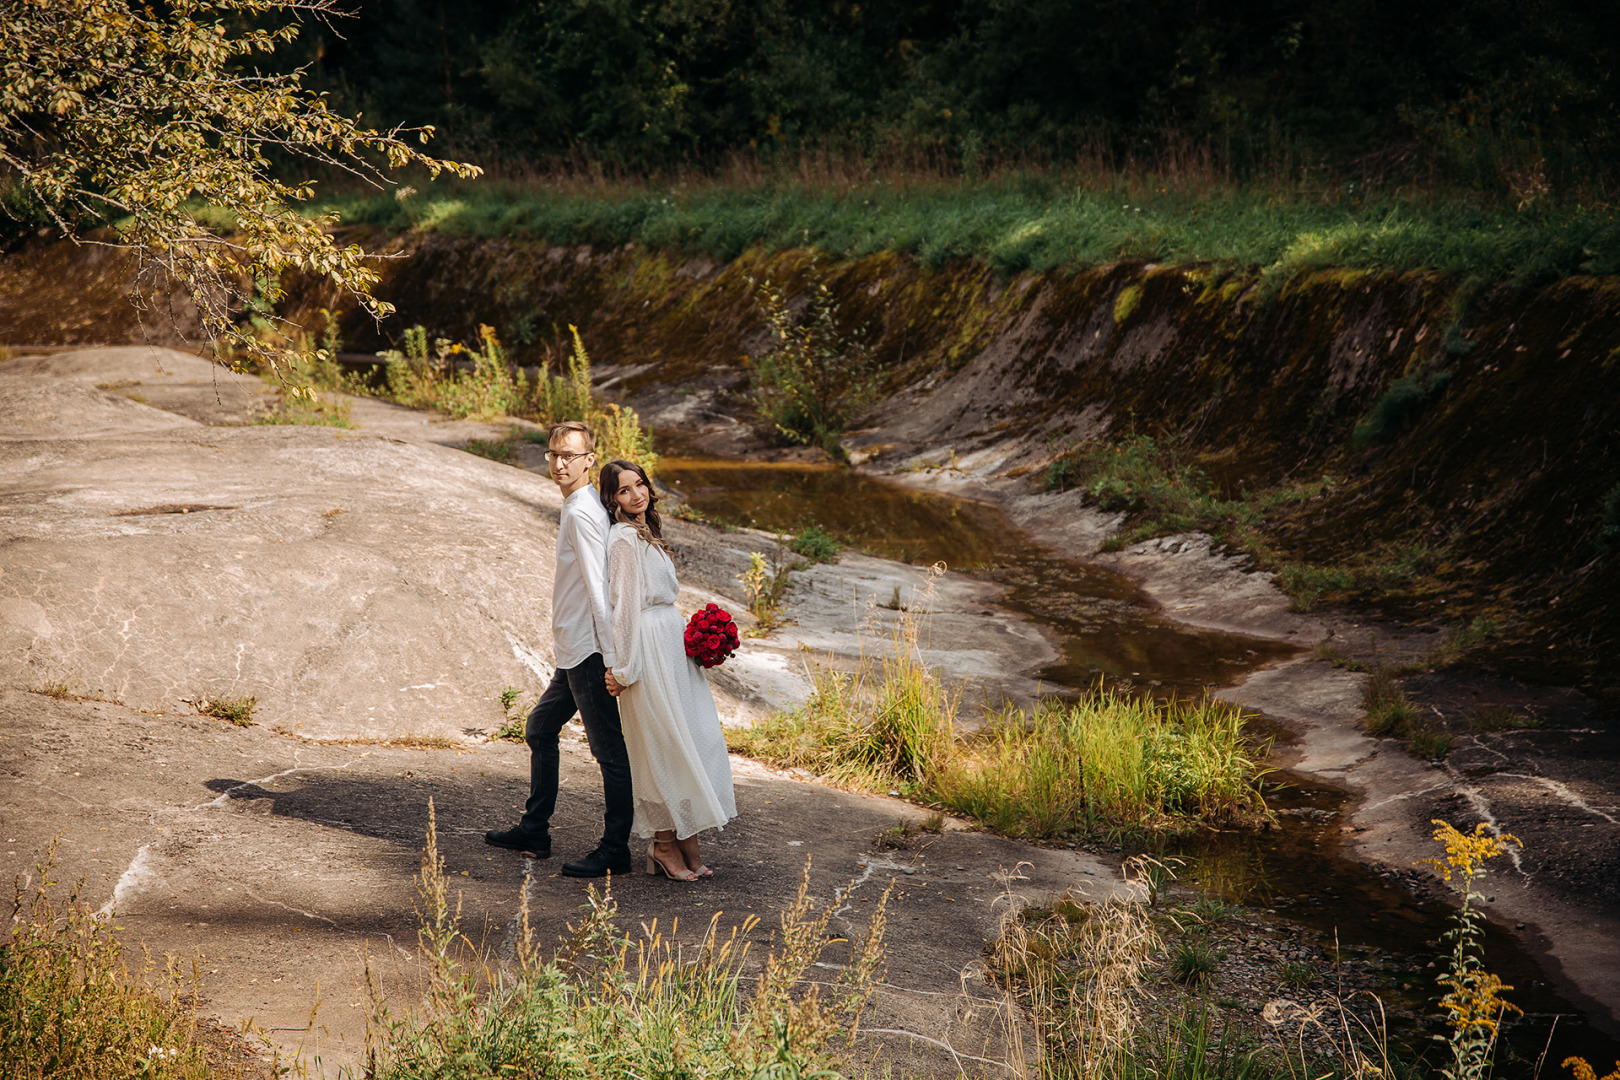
[[371, 588]]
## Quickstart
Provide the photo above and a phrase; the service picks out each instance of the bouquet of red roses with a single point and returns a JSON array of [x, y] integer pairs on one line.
[[711, 636]]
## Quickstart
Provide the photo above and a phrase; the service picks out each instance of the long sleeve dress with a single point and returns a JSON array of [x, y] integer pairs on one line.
[[678, 763]]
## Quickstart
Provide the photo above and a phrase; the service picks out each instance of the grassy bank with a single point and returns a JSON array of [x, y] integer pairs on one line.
[[1108, 761], [1028, 221]]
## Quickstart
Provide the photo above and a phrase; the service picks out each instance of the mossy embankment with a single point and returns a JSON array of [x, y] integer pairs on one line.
[[1469, 433]]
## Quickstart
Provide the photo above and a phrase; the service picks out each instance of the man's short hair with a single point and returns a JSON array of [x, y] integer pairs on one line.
[[567, 427]]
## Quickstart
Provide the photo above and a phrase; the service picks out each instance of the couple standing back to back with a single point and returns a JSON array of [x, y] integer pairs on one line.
[[665, 775]]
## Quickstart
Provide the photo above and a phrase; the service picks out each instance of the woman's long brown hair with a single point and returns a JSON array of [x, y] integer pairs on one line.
[[652, 530]]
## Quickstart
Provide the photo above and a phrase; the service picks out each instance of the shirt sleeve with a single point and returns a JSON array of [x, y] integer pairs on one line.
[[590, 548], [624, 594]]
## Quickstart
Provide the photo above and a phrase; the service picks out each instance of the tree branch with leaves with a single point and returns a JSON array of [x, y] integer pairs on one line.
[[119, 120]]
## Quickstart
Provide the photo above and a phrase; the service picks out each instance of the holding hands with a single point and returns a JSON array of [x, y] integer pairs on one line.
[[613, 686]]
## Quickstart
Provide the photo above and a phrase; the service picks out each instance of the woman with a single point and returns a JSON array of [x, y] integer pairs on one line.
[[678, 765]]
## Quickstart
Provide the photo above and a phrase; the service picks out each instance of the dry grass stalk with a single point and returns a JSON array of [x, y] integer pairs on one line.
[[1077, 968]]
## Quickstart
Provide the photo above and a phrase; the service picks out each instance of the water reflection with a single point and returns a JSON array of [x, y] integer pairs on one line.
[[1107, 629]]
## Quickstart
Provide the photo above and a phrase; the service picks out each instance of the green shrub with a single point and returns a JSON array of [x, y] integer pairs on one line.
[[1610, 536], [567, 395], [1395, 413], [433, 381], [556, 398], [817, 377], [1063, 474], [815, 544]]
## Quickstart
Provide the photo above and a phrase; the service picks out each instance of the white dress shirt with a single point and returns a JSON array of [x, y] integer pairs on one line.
[[579, 610]]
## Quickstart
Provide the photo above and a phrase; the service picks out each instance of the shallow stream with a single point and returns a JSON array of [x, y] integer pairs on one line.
[[1106, 629]]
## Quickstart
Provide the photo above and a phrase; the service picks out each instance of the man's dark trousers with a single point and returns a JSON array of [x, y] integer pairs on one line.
[[581, 689]]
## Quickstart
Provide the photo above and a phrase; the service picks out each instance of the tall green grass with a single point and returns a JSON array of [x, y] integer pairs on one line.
[[1026, 221], [1108, 760]]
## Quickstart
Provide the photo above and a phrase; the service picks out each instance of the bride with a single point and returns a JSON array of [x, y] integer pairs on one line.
[[678, 765]]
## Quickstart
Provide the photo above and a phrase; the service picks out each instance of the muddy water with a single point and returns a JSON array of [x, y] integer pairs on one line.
[[1106, 629]]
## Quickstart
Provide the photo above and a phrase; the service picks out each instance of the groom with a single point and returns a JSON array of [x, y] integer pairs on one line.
[[584, 652]]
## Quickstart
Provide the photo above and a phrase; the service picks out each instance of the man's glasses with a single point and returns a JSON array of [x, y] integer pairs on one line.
[[564, 458]]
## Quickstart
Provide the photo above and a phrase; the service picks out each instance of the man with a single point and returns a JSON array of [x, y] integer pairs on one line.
[[584, 652]]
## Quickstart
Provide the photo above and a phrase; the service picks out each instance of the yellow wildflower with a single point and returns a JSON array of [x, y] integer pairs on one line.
[[1465, 853], [1583, 1071]]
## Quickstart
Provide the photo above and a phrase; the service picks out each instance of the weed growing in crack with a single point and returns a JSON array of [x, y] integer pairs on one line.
[[307, 407], [1296, 975], [236, 710], [501, 451], [59, 689], [1459, 640], [766, 586], [1503, 719], [513, 716], [1194, 963], [817, 545], [1387, 713], [1339, 657], [899, 837]]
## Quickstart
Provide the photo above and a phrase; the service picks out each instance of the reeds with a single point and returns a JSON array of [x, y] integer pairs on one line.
[[1067, 768], [1109, 759]]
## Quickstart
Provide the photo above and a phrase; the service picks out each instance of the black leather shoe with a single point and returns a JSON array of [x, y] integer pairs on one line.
[[535, 847], [598, 863]]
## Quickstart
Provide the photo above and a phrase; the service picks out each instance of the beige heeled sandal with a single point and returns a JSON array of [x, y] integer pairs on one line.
[[654, 867]]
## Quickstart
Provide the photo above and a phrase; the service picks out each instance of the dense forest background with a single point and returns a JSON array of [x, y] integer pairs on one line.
[[1510, 96]]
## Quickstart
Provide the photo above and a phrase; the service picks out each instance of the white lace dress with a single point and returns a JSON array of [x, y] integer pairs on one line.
[[678, 763]]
